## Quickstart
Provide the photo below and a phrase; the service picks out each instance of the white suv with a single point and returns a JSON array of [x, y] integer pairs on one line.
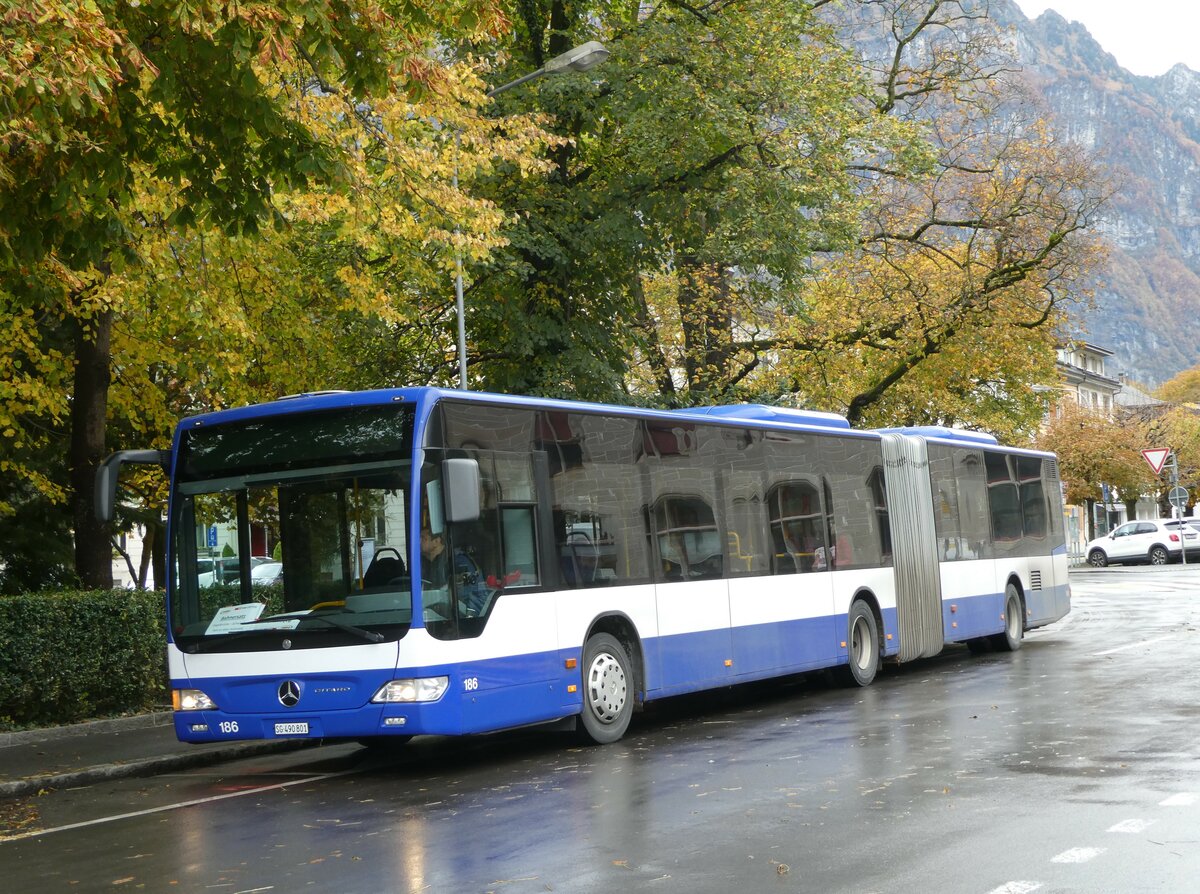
[[1156, 542]]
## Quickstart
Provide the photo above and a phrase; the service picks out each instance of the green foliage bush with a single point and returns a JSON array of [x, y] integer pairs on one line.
[[72, 655]]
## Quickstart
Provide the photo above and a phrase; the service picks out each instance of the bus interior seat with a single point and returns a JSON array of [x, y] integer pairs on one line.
[[383, 570]]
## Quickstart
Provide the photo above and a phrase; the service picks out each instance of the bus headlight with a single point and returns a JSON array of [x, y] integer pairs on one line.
[[191, 700], [421, 689]]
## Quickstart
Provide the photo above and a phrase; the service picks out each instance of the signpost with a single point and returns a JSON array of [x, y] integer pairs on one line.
[[1158, 457]]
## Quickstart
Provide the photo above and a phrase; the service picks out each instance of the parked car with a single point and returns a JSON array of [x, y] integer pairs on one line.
[[266, 573], [226, 569], [1189, 525], [1156, 542]]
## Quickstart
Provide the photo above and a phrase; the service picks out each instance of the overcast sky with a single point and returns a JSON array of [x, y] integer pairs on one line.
[[1147, 37]]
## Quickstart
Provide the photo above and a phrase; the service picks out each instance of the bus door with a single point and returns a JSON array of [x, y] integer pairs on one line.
[[499, 614]]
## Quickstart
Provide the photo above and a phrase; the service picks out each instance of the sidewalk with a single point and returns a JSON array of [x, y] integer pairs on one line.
[[84, 753]]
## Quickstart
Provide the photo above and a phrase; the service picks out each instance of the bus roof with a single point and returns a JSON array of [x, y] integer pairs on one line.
[[766, 413], [758, 415], [754, 415], [942, 433]]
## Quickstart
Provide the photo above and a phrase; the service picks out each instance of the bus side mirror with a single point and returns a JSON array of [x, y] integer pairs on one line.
[[109, 471], [460, 478]]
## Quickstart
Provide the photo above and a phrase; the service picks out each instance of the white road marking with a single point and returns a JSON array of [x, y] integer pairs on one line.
[[121, 816], [1016, 888], [1132, 826], [1145, 642], [1183, 799], [1078, 855]]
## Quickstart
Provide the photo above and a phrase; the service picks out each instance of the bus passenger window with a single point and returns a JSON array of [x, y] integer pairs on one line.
[[587, 557], [689, 545], [796, 530]]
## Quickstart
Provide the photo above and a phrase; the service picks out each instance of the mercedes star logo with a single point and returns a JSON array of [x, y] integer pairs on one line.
[[289, 693]]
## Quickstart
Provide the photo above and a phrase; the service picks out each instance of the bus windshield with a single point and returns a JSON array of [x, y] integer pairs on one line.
[[265, 544]]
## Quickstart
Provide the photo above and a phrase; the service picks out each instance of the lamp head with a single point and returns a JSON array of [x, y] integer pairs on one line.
[[581, 58]]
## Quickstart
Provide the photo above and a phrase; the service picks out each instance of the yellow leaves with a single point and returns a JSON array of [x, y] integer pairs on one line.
[[33, 386], [1094, 449]]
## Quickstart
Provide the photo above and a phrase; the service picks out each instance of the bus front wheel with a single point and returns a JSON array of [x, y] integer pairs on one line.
[[607, 690], [863, 645]]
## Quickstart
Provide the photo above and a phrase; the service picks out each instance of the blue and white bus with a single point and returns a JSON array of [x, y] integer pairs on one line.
[[459, 562]]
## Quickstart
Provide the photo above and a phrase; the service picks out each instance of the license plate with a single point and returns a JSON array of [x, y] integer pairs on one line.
[[291, 729]]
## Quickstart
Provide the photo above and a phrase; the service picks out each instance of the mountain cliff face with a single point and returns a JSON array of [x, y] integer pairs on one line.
[[1147, 130]]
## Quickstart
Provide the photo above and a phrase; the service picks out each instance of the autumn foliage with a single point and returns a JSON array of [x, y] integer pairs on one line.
[[205, 204]]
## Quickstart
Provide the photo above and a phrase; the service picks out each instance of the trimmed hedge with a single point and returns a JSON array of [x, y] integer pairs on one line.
[[74, 655]]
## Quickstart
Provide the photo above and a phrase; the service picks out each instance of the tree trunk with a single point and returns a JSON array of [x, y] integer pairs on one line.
[[707, 321], [89, 408], [652, 345], [1131, 510], [147, 551], [160, 556]]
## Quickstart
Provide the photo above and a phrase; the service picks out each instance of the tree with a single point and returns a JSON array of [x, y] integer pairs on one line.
[[205, 97], [946, 311], [1094, 453], [775, 221], [1183, 388], [1176, 428], [708, 154]]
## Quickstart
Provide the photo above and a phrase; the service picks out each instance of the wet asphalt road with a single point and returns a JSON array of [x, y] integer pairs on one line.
[[1069, 766]]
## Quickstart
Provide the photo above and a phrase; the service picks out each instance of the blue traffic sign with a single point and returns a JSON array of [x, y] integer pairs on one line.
[[212, 536]]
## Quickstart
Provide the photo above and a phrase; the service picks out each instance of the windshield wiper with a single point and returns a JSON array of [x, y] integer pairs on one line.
[[370, 636]]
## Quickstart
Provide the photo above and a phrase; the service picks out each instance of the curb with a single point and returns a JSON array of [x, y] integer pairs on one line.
[[147, 766], [88, 727]]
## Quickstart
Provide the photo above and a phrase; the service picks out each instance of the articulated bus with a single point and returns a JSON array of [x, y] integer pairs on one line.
[[454, 562]]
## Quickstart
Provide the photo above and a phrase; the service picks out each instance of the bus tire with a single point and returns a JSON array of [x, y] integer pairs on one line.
[[607, 690], [862, 642], [1014, 622]]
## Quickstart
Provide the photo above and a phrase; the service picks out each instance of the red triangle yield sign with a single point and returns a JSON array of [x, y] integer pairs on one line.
[[1157, 457]]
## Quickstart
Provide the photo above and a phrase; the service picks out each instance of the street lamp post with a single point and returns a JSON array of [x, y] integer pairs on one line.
[[581, 58]]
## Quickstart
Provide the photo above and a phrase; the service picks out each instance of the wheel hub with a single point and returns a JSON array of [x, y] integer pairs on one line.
[[607, 688]]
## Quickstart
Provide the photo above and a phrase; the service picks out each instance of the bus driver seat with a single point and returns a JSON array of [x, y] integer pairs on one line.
[[383, 570]]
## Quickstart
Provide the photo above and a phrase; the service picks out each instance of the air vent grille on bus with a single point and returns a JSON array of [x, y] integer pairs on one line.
[[1035, 580]]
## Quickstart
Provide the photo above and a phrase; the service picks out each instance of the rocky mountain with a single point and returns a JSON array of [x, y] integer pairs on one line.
[[1147, 130]]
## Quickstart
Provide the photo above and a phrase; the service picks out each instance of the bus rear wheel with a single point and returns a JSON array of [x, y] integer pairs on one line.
[[607, 690], [1014, 622], [863, 644]]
